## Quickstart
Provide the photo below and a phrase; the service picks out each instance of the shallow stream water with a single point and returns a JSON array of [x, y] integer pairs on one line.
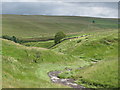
[[68, 82]]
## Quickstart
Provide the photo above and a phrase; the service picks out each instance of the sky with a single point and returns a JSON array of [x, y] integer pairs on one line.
[[61, 8]]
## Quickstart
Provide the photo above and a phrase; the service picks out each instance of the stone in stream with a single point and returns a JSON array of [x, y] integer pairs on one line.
[[73, 84], [63, 80], [53, 78]]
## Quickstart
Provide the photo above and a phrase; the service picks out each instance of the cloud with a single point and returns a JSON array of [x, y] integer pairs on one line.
[[33, 0], [60, 0], [108, 10]]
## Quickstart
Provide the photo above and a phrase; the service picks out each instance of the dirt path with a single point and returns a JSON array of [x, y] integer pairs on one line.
[[69, 82]]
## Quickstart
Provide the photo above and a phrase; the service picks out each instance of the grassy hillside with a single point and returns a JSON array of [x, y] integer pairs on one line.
[[36, 62], [103, 74], [29, 26], [28, 66], [96, 46], [99, 46]]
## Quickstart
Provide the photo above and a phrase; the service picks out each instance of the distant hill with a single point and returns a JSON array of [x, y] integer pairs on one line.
[[30, 26]]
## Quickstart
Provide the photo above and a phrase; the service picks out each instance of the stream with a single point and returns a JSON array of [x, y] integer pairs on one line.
[[68, 82]]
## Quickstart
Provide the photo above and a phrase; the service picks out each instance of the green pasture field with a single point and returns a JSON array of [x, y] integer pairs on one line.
[[33, 26], [44, 44]]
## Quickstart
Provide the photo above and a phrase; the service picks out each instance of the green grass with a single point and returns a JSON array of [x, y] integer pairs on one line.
[[27, 67], [44, 44], [33, 26], [24, 75], [22, 59], [99, 46], [20, 70], [96, 46], [103, 74], [0, 64]]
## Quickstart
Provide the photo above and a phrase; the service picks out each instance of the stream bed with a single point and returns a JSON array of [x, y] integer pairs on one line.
[[68, 82]]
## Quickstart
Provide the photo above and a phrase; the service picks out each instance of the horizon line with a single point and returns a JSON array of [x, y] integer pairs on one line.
[[62, 15]]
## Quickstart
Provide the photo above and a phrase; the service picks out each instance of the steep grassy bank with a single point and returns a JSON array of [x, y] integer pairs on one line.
[[100, 75]]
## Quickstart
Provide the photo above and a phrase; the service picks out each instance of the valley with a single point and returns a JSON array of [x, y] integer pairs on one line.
[[28, 64]]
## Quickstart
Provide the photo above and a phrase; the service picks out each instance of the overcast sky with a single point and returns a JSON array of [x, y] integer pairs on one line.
[[91, 9]]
